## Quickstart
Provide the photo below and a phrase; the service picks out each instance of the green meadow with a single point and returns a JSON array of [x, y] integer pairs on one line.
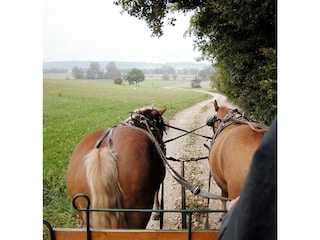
[[73, 109]]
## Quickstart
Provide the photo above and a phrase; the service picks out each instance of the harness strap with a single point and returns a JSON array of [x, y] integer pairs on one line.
[[191, 187], [234, 117], [186, 132], [102, 137], [109, 140]]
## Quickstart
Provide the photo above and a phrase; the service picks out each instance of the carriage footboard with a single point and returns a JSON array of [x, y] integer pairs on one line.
[[76, 234]]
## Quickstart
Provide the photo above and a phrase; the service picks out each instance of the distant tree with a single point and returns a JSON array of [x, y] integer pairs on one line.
[[78, 73], [195, 83], [112, 71], [214, 81], [134, 76], [193, 71], [157, 71], [175, 76], [117, 81], [165, 76], [94, 71], [189, 71], [206, 72], [167, 69]]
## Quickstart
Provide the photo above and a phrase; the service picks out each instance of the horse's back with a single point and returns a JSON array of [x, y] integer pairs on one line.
[[231, 155]]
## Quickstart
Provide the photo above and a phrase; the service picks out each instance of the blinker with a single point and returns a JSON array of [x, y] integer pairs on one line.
[[212, 120]]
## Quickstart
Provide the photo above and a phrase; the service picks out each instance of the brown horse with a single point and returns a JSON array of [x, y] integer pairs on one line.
[[234, 142], [119, 168]]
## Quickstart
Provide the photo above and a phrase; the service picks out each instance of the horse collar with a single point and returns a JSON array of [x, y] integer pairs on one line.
[[147, 125]]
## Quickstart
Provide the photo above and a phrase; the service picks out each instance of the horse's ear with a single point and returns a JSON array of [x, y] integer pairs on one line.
[[162, 111], [216, 107]]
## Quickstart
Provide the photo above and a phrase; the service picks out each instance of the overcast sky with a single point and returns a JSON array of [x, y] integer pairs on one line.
[[96, 30]]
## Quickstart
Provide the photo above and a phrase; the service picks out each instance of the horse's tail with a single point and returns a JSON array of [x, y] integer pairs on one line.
[[102, 177]]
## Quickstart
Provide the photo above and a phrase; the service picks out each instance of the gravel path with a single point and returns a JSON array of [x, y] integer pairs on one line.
[[196, 172]]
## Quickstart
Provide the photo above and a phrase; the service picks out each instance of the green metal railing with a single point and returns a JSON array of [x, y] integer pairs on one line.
[[87, 210]]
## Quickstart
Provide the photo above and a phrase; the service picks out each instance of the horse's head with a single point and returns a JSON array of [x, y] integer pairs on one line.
[[220, 113], [152, 116]]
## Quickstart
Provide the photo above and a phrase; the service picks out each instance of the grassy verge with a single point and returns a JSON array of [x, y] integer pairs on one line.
[[72, 109]]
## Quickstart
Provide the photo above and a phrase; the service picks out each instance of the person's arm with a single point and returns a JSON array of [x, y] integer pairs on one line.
[[232, 202]]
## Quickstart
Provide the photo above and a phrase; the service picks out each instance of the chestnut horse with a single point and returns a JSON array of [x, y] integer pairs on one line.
[[234, 142], [119, 168]]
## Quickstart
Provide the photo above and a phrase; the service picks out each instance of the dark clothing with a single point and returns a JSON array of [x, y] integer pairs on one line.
[[253, 216]]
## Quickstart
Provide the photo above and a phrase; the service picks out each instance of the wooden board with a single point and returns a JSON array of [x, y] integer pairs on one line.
[[79, 234]]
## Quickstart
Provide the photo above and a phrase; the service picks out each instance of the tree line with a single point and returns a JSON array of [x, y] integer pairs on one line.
[[134, 75]]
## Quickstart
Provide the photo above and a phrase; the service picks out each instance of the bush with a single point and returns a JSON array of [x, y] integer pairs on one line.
[[117, 81], [195, 83]]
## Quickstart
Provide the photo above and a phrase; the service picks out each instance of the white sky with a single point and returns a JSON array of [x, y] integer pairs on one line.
[[95, 30]]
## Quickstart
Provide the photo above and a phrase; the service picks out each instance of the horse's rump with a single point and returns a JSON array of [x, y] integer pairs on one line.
[[141, 171], [105, 191], [126, 176], [231, 155], [76, 172]]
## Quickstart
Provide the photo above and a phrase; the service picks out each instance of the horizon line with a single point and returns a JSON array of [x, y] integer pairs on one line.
[[124, 61]]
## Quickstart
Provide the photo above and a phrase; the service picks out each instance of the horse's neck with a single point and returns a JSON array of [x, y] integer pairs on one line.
[[239, 121]]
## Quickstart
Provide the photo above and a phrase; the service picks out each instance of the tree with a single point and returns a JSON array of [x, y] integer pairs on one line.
[[238, 36], [206, 72], [78, 73], [94, 71], [241, 37], [165, 76], [167, 69], [195, 83], [175, 76], [154, 12], [112, 71], [134, 76], [117, 81]]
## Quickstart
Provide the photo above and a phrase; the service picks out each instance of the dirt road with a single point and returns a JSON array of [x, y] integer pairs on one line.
[[196, 172]]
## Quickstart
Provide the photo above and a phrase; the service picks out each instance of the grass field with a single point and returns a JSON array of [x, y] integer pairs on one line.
[[72, 109]]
